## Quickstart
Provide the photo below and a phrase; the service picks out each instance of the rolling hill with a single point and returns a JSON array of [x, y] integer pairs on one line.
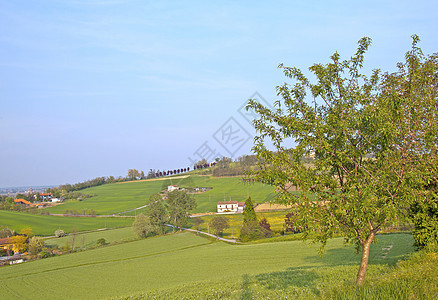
[[185, 266], [119, 197]]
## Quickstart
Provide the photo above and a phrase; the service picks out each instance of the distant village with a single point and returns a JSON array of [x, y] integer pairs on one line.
[[46, 200]]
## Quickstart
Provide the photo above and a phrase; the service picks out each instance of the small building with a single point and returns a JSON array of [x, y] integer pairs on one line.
[[22, 201], [46, 196], [240, 207], [227, 206], [54, 200], [16, 260], [230, 207], [172, 188], [4, 243]]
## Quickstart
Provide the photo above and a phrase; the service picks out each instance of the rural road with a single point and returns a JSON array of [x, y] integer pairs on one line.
[[209, 234]]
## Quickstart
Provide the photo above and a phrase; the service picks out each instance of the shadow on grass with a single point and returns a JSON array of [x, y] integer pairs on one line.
[[292, 277], [400, 248], [297, 277]]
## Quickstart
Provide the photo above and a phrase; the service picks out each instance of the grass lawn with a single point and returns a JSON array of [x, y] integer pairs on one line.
[[184, 265], [119, 197], [46, 225], [89, 239], [112, 198]]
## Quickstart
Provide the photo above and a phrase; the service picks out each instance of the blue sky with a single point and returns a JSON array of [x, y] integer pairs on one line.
[[93, 88]]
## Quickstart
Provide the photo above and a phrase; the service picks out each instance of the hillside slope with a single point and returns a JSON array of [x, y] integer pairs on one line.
[[120, 197], [175, 261]]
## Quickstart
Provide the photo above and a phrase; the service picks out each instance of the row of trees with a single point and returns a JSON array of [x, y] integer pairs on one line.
[[156, 174], [65, 191], [227, 167], [375, 142]]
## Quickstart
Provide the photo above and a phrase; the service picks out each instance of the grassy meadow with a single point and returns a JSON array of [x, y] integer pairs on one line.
[[112, 198], [47, 225], [120, 197], [89, 239], [185, 265]]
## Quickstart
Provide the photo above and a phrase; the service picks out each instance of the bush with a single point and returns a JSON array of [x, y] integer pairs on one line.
[[44, 253], [59, 233], [425, 218], [67, 247], [101, 241], [250, 231], [35, 245]]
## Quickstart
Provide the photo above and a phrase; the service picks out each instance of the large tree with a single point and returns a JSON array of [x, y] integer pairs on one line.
[[179, 206], [142, 226], [250, 229], [156, 211], [373, 140], [219, 224]]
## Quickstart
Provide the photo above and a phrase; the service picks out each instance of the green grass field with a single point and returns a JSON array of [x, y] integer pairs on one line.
[[112, 198], [119, 197], [46, 225], [184, 265], [89, 239]]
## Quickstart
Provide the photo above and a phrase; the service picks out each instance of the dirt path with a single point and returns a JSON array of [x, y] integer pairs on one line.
[[209, 234]]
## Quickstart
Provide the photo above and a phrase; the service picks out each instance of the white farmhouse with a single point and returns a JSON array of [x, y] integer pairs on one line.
[[172, 188], [230, 207]]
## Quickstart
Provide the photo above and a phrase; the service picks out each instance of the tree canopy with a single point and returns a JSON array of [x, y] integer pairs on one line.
[[373, 140], [179, 205], [156, 212], [219, 224]]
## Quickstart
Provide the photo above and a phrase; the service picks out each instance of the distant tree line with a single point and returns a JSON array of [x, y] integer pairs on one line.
[[227, 167], [224, 166], [7, 203]]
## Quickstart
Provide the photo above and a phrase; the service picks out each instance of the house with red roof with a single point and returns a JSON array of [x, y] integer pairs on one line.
[[4, 243], [172, 188], [46, 196], [230, 207], [22, 201]]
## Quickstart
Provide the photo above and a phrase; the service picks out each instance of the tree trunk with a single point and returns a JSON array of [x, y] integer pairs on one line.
[[364, 260], [73, 241]]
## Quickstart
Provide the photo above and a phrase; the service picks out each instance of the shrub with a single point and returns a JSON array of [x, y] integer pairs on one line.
[[44, 253], [35, 245], [59, 233], [250, 231]]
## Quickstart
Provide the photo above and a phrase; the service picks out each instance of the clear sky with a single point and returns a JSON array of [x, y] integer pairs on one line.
[[93, 88]]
